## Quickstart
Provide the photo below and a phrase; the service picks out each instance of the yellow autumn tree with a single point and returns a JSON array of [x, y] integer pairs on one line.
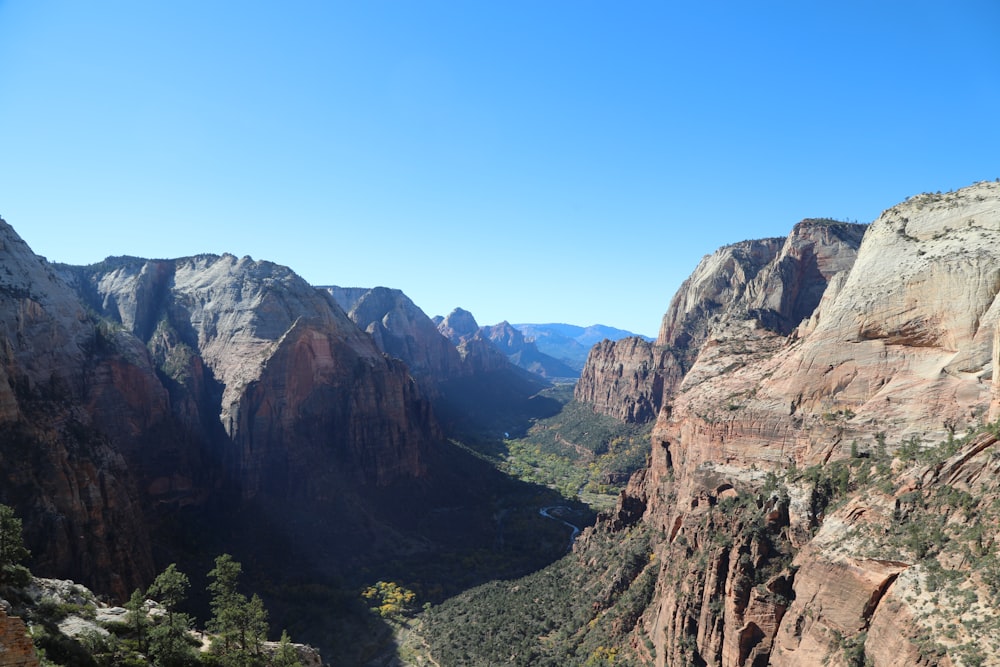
[[389, 599]]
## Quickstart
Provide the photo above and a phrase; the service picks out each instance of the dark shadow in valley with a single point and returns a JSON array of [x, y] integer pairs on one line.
[[465, 523]]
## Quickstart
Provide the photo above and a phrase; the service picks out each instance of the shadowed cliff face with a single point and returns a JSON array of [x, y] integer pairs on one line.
[[471, 380], [208, 380], [402, 330], [896, 352], [64, 385]]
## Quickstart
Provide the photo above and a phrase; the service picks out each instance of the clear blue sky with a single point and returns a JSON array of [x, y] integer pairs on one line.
[[534, 161]]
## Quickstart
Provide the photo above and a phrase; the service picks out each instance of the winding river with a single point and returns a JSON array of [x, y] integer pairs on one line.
[[546, 512]]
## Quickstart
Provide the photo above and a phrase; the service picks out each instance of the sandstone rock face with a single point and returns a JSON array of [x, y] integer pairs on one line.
[[298, 386], [44, 329], [622, 379], [64, 385], [774, 283], [16, 647], [805, 352], [401, 330], [209, 379]]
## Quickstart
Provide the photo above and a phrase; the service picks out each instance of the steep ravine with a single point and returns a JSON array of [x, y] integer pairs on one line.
[[823, 478]]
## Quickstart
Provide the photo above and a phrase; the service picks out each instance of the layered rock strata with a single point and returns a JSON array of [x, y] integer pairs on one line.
[[134, 388], [774, 283], [895, 352], [16, 647]]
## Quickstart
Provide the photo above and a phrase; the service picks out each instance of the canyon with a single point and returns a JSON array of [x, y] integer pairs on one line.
[[826, 351], [822, 485]]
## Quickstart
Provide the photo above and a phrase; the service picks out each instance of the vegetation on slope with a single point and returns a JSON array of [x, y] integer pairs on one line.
[[575, 611], [586, 608], [584, 456]]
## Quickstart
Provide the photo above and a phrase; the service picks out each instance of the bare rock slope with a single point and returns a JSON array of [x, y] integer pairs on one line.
[[133, 389], [817, 496], [775, 283]]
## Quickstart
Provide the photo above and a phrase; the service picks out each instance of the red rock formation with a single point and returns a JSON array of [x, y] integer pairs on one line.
[[209, 374], [623, 379], [64, 386], [302, 388], [16, 647], [773, 284], [899, 348]]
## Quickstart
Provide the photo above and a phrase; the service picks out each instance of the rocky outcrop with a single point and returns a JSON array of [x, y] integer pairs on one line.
[[771, 284], [298, 387], [16, 647], [65, 384], [457, 326], [818, 354], [622, 379]]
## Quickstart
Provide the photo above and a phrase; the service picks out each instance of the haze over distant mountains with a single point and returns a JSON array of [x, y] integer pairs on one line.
[[571, 343]]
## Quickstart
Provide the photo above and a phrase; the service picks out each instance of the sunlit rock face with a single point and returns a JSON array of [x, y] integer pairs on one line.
[[774, 283], [822, 348], [298, 388]]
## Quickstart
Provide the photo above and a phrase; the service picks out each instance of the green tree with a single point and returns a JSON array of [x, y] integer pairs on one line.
[[137, 617], [170, 642], [12, 549], [239, 623], [286, 655]]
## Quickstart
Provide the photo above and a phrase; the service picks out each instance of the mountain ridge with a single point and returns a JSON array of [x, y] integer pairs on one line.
[[822, 465]]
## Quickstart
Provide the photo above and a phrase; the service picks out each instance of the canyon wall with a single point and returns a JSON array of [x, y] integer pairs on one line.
[[296, 387], [774, 283], [802, 377], [64, 384], [132, 389]]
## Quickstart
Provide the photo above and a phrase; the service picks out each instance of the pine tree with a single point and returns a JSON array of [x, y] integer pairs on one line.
[[240, 624], [137, 617], [169, 640], [286, 655], [12, 550]]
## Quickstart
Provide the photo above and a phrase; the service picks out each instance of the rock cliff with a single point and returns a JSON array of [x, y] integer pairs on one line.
[[402, 330], [296, 386], [775, 283], [623, 379], [133, 389], [808, 513], [493, 395], [475, 348], [65, 383]]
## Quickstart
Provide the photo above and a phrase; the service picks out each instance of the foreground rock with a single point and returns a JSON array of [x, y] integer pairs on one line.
[[898, 351], [823, 477]]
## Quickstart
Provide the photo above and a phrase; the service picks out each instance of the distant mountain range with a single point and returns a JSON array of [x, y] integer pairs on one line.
[[570, 343]]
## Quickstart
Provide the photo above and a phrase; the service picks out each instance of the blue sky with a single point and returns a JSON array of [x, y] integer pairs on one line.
[[543, 161]]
